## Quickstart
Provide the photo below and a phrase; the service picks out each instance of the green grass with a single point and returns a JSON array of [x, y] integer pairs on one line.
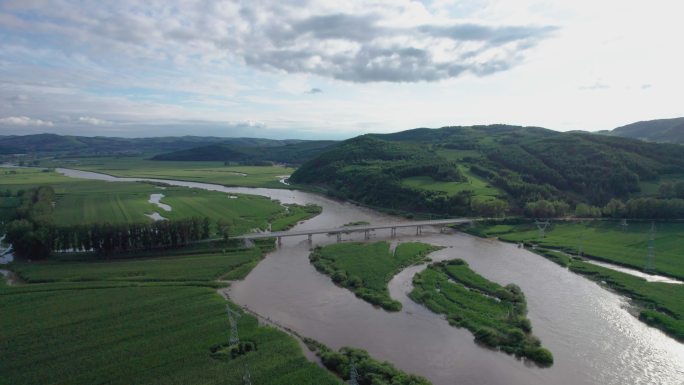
[[82, 201], [367, 268], [139, 335], [202, 267], [481, 189], [608, 241], [139, 321], [494, 314], [207, 172]]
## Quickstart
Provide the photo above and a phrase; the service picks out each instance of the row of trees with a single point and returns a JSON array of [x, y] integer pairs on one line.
[[637, 208], [33, 233]]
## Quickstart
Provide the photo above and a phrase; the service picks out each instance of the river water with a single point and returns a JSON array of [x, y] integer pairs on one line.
[[593, 336]]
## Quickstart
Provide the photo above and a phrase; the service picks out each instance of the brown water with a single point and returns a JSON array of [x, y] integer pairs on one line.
[[594, 338]]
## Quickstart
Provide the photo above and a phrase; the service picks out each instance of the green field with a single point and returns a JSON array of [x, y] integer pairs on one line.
[[207, 172], [608, 241], [494, 314], [82, 201], [115, 322], [480, 188], [366, 269]]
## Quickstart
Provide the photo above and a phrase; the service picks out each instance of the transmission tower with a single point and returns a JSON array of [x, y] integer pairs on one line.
[[624, 224], [232, 318], [649, 267], [247, 378], [542, 226], [353, 375]]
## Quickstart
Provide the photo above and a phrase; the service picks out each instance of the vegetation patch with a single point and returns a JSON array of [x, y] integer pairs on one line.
[[357, 363], [608, 241], [292, 215], [367, 268], [493, 313]]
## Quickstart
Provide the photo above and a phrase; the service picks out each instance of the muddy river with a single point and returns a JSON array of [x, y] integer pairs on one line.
[[589, 330]]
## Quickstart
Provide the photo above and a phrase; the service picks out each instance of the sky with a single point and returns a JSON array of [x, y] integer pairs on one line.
[[334, 69]]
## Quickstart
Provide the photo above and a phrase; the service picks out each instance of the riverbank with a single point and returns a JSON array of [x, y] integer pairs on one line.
[[658, 304]]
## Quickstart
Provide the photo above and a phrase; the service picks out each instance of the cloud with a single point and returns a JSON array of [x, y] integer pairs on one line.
[[315, 91], [24, 121], [358, 41], [92, 121]]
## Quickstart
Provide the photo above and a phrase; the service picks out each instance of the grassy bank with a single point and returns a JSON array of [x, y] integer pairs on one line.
[[367, 268], [607, 241], [658, 304], [494, 314]]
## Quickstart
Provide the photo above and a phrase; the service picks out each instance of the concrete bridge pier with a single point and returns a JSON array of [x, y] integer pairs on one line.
[[310, 240], [394, 232], [339, 237], [419, 230], [366, 235], [280, 241]]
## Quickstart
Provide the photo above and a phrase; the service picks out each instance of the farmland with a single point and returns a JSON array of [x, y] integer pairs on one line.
[[366, 269], [91, 201], [195, 171], [138, 330]]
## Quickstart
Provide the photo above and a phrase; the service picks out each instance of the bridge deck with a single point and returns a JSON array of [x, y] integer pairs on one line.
[[349, 229]]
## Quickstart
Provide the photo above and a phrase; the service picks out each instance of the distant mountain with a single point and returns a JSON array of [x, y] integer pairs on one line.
[[526, 164], [661, 130], [67, 145], [291, 152]]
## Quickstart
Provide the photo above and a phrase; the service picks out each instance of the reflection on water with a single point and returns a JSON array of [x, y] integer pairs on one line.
[[593, 337], [636, 273]]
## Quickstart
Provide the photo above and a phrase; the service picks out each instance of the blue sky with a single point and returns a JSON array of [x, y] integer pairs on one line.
[[331, 69]]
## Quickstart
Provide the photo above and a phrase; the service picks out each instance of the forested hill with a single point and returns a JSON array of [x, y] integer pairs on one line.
[[68, 145], [291, 153], [486, 169], [661, 130]]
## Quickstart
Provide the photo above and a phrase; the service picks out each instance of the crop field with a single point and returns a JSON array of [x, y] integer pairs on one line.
[[494, 314], [207, 172], [82, 201], [116, 322], [202, 267], [608, 241], [134, 335], [244, 212], [366, 269]]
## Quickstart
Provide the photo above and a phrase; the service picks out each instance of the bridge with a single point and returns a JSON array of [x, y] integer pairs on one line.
[[366, 229]]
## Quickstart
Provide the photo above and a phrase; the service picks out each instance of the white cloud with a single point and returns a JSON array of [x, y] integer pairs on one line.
[[92, 121], [25, 121]]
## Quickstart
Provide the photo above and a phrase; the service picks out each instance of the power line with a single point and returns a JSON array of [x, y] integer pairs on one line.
[[650, 256]]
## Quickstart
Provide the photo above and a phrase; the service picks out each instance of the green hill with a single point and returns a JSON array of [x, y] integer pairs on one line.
[[661, 130], [292, 152], [461, 170], [79, 146]]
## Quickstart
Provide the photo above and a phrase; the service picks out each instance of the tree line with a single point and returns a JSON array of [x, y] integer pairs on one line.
[[33, 234]]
